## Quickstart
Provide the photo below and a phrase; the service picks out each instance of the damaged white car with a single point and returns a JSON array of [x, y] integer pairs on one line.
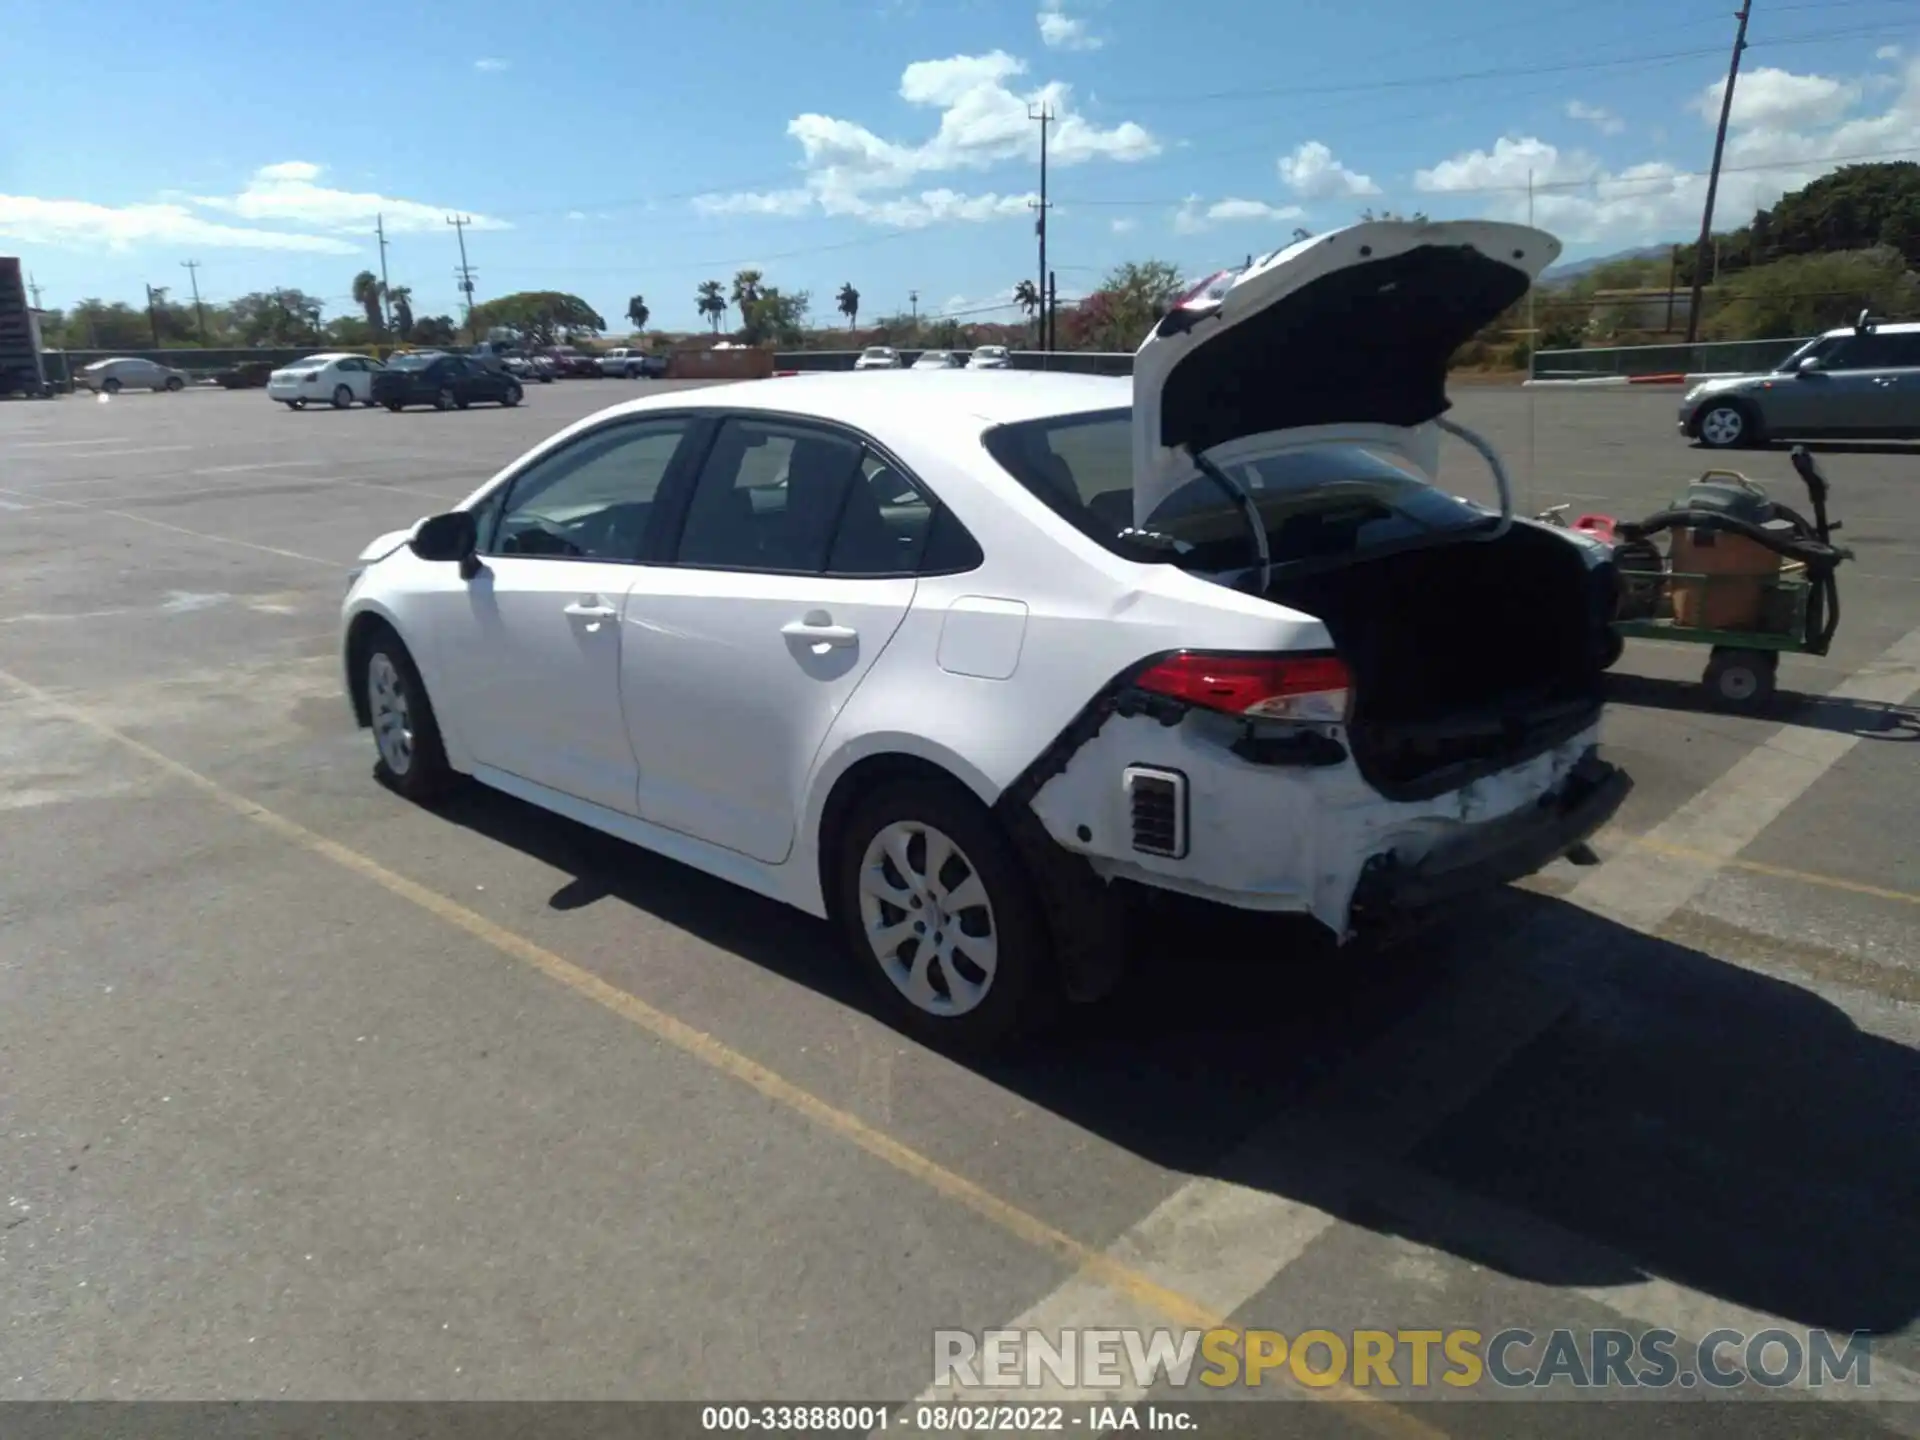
[[946, 664]]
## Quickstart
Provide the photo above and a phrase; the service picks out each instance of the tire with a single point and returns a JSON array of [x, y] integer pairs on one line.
[[296, 404], [444, 400], [951, 1000], [342, 397], [633, 372], [1741, 680], [512, 397], [110, 386], [394, 406], [175, 384], [1727, 425], [409, 754]]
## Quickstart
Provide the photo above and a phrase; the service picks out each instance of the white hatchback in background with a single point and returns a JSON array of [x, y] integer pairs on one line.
[[341, 381], [989, 357], [878, 357], [946, 662]]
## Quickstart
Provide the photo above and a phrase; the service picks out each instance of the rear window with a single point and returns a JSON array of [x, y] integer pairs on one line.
[[411, 362], [1319, 502]]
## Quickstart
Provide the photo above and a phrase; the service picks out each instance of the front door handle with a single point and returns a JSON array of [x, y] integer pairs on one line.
[[819, 632], [590, 610]]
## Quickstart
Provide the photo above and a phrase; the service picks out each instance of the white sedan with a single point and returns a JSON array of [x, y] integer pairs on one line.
[[945, 663], [878, 357], [341, 381], [989, 357]]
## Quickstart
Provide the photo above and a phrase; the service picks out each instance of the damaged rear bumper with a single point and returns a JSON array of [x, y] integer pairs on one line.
[[1391, 893]]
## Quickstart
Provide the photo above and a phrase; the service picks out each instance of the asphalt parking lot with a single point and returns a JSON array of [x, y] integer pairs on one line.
[[307, 1093]]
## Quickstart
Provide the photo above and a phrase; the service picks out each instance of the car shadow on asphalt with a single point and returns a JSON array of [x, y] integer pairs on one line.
[[1867, 719], [1677, 1116]]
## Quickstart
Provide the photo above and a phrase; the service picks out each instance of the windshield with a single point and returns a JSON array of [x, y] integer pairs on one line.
[[411, 362], [991, 352], [1821, 345], [1318, 502], [878, 352]]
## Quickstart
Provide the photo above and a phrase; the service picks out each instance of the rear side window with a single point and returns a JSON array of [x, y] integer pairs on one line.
[[1080, 466]]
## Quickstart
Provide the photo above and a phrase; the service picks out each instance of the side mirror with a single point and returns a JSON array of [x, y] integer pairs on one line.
[[452, 537], [1808, 366]]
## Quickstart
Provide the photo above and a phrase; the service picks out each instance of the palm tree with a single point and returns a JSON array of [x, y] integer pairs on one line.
[[746, 291], [849, 303], [401, 298], [712, 302], [1027, 296], [637, 313], [366, 294]]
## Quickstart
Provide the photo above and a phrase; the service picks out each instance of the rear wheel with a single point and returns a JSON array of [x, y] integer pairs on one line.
[[296, 404], [444, 400], [175, 384], [394, 406], [512, 396], [940, 916], [1741, 679], [1727, 425], [110, 386], [342, 397], [406, 736]]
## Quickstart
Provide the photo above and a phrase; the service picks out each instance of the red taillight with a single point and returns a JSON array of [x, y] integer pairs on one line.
[[1272, 687]]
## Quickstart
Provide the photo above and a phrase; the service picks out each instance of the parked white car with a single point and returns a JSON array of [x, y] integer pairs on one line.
[[878, 357], [341, 381], [989, 357], [110, 377], [938, 360], [945, 662]]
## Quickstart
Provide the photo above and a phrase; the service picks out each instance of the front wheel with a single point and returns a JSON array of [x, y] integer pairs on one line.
[[512, 396], [406, 736], [175, 384], [444, 400], [1726, 426], [394, 406], [296, 404], [941, 917], [1742, 680], [110, 386], [342, 397]]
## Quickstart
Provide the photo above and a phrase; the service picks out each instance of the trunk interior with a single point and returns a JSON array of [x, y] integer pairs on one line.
[[1467, 658]]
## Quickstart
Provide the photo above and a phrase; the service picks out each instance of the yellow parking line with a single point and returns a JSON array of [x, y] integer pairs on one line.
[[1778, 872], [1376, 1415]]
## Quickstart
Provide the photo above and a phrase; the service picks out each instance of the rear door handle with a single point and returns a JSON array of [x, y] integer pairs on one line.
[[818, 633]]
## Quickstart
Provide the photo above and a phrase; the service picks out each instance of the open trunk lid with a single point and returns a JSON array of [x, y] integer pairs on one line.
[[1351, 330]]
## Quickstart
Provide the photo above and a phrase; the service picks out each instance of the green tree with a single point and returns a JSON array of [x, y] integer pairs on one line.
[[771, 317], [401, 298], [1848, 209], [848, 303], [367, 291], [539, 317], [637, 313], [434, 330], [276, 317], [351, 332], [1418, 217], [712, 303], [1130, 301], [1805, 294]]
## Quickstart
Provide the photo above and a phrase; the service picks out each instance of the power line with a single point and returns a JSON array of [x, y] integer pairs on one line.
[[1460, 77]]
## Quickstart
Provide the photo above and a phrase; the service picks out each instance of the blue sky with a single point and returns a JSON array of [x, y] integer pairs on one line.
[[614, 148]]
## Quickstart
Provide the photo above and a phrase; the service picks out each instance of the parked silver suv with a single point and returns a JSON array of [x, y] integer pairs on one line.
[[1859, 382]]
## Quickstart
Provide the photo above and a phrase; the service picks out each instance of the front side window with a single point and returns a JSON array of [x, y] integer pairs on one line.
[[592, 500]]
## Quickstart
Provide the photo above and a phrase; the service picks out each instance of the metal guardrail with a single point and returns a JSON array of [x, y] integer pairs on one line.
[[1079, 362], [1708, 357]]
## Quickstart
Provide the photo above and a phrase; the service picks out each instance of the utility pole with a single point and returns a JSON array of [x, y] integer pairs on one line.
[[1673, 285], [1053, 311], [913, 300], [1533, 326], [465, 272], [192, 267], [1045, 116], [33, 289], [380, 233], [153, 322], [1713, 177]]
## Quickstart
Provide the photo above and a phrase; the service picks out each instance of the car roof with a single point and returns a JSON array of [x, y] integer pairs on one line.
[[1887, 327], [996, 397]]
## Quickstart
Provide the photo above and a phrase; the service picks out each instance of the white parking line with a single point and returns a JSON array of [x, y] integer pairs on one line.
[[63, 444], [1224, 1243], [340, 565]]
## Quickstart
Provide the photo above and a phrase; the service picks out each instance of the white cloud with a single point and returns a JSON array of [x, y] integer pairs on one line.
[[1192, 217], [289, 192], [1125, 226], [1313, 174], [1607, 122], [983, 121], [491, 66], [1787, 132], [1770, 98], [1887, 52], [1061, 31], [82, 223], [576, 215]]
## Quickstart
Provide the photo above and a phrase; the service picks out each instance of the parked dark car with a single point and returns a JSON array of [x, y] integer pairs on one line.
[[247, 375], [446, 382], [571, 364]]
